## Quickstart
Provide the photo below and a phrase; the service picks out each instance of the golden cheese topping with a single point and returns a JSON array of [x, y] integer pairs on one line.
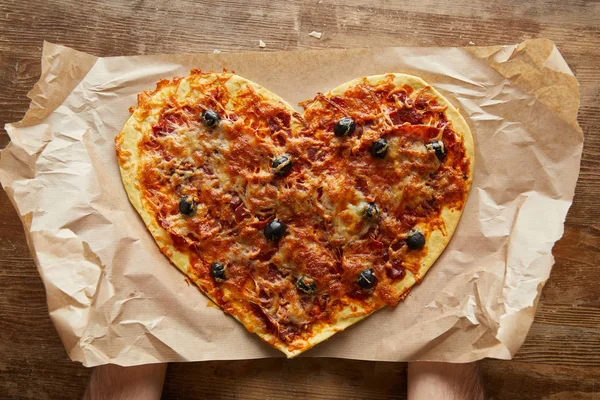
[[300, 218]]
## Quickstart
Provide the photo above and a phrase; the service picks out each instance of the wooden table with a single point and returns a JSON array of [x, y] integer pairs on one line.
[[561, 357]]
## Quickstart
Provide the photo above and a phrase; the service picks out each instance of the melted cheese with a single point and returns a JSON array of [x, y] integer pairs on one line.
[[167, 153]]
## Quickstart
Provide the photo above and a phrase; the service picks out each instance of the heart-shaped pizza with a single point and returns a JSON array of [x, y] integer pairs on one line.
[[298, 225]]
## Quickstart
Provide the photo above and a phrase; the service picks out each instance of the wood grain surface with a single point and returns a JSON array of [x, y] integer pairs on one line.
[[561, 357]]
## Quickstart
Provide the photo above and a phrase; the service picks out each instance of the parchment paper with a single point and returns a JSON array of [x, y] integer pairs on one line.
[[114, 298]]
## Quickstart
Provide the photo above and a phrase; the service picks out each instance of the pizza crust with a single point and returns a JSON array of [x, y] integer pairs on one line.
[[147, 113]]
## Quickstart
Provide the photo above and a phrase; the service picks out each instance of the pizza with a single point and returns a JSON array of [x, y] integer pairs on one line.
[[298, 225]]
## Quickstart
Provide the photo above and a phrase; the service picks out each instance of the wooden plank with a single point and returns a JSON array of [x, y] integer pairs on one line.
[[530, 381], [560, 358]]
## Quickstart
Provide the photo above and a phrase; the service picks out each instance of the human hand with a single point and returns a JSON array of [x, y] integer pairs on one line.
[[444, 381], [132, 383]]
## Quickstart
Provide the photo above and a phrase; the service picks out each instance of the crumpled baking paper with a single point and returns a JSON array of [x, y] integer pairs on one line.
[[114, 298]]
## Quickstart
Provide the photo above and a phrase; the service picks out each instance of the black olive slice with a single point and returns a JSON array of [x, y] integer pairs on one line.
[[379, 148], [415, 240], [366, 279], [344, 127], [282, 164], [371, 211], [306, 285], [274, 230], [210, 118], [186, 206], [439, 148], [217, 271]]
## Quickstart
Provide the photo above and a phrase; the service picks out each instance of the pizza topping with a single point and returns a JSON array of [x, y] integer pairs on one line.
[[274, 230], [396, 270], [410, 115], [210, 118], [415, 240], [217, 271], [306, 285], [282, 164], [371, 211], [367, 279], [186, 206], [439, 148], [379, 148], [344, 241], [344, 127]]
